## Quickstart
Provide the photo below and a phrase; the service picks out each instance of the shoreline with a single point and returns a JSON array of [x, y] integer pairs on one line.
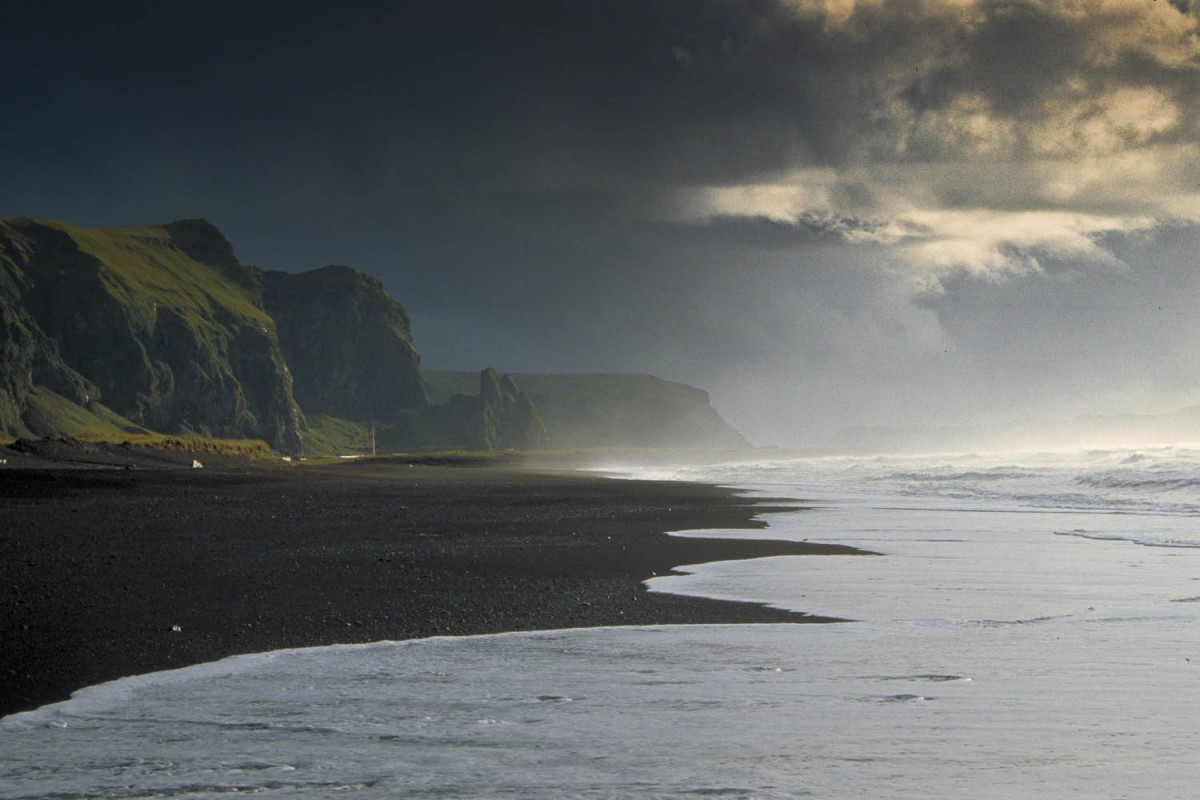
[[110, 572]]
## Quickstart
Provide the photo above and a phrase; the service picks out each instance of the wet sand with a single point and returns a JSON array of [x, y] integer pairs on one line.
[[107, 572]]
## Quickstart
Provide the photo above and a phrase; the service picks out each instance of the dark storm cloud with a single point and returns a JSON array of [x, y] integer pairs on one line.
[[707, 189], [423, 107], [453, 103]]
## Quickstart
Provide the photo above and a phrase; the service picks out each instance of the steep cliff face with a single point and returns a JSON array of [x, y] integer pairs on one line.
[[129, 320], [29, 360], [347, 342], [28, 357]]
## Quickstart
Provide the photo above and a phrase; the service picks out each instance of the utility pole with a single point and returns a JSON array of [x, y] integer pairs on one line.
[[372, 437]]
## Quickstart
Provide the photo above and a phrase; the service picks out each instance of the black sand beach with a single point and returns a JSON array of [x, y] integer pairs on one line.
[[108, 571]]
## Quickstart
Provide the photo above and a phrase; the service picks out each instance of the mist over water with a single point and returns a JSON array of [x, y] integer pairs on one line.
[[1029, 629]]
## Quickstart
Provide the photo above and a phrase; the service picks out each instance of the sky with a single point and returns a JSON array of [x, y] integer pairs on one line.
[[831, 214]]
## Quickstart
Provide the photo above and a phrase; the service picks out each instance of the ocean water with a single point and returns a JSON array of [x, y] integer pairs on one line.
[[1029, 629]]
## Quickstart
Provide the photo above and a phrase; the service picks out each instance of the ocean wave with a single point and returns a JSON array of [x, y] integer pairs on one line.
[[1144, 481], [897, 698], [930, 677], [938, 476], [1112, 480], [1000, 623], [1144, 541]]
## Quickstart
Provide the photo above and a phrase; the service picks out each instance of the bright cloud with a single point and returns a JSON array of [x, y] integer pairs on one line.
[[988, 138], [996, 245]]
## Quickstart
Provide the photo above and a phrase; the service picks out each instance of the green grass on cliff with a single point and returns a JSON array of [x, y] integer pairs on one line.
[[240, 448], [53, 415], [142, 270], [335, 436]]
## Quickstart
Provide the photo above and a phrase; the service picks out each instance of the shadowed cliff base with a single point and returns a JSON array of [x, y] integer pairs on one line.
[[112, 572]]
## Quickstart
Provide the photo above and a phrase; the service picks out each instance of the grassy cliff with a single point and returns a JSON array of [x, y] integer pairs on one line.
[[152, 328]]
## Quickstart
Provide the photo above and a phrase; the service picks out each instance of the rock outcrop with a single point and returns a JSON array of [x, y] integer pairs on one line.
[[507, 418]]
